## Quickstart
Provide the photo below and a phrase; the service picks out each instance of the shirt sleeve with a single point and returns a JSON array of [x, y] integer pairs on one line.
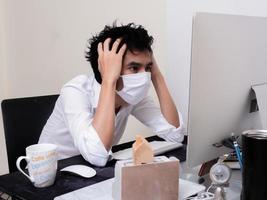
[[149, 114], [78, 115]]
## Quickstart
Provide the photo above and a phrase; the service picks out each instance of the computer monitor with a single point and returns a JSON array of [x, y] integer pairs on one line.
[[229, 55]]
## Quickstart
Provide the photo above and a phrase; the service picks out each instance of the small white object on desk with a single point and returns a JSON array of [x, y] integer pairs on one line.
[[80, 170], [232, 164]]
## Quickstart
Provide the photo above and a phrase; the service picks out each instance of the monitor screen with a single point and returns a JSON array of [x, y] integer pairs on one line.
[[229, 56]]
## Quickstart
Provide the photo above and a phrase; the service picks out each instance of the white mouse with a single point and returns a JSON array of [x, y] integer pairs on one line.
[[80, 170]]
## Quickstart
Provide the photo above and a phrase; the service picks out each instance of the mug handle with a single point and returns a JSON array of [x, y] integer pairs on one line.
[[18, 166]]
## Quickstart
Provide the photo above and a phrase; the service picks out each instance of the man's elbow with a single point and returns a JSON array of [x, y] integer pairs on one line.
[[92, 149], [99, 162], [96, 160]]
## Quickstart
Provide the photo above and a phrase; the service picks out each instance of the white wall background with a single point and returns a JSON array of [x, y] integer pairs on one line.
[[3, 56], [42, 42], [46, 39]]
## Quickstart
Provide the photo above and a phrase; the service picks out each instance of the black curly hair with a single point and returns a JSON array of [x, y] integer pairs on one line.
[[135, 37]]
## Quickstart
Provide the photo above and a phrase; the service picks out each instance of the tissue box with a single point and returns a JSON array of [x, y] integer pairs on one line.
[[158, 180]]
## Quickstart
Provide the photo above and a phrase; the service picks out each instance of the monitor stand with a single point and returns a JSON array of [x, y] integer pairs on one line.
[[261, 97]]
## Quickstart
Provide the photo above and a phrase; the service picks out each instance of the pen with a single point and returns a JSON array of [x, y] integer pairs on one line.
[[237, 150]]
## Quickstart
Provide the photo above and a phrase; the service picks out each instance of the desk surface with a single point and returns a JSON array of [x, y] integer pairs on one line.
[[19, 187]]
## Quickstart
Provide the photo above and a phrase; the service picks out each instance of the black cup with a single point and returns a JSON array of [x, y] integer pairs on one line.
[[254, 156]]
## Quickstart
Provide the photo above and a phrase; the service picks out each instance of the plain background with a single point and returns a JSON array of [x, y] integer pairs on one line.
[[42, 43]]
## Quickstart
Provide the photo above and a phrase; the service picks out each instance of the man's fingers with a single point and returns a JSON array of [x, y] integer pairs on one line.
[[99, 66], [100, 49], [106, 44], [122, 50], [115, 45]]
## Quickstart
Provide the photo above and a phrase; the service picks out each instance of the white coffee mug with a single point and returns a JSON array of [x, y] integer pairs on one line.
[[42, 164]]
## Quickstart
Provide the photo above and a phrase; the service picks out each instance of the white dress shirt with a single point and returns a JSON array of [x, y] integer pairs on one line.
[[70, 124]]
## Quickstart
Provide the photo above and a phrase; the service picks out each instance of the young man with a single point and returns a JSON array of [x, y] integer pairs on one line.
[[91, 113]]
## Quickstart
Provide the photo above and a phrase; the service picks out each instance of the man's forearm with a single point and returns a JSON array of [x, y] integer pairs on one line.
[[167, 105], [104, 117]]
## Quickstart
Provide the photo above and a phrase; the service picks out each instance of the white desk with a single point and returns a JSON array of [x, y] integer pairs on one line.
[[234, 190], [103, 191]]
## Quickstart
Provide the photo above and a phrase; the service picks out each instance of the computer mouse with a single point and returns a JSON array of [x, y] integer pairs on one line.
[[80, 170]]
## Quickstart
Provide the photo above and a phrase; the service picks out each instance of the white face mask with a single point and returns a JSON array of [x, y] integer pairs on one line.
[[135, 87]]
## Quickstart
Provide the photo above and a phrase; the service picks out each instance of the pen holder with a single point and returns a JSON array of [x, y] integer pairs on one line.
[[254, 156], [158, 180]]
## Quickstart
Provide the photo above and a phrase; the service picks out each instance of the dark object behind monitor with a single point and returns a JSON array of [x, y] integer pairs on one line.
[[254, 164]]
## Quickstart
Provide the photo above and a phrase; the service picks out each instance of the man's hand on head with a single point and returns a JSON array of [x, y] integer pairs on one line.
[[110, 60], [155, 71]]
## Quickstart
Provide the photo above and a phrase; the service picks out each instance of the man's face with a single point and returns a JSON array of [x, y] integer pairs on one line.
[[135, 62]]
